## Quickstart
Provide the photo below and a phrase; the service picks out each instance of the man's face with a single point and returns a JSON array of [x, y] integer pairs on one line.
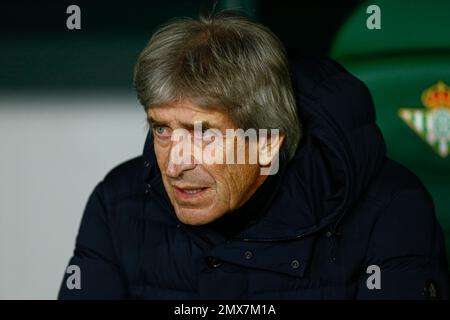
[[200, 193]]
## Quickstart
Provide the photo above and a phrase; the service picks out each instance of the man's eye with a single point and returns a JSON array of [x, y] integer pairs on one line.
[[161, 131], [199, 134]]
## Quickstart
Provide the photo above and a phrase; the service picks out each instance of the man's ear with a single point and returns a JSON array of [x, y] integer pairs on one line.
[[269, 146]]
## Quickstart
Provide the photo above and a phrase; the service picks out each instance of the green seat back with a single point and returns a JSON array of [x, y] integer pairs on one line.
[[399, 62]]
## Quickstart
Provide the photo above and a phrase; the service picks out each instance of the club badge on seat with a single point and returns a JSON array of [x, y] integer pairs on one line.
[[432, 123]]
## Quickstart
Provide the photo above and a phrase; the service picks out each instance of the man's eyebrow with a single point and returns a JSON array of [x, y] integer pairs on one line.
[[152, 122], [205, 125], [188, 126]]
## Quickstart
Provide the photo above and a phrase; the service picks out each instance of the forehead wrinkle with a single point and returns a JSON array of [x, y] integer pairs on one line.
[[177, 120]]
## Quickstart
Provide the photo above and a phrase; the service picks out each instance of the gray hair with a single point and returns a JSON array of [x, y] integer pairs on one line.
[[221, 60]]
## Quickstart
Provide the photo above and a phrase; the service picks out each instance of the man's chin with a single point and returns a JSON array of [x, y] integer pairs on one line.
[[196, 217]]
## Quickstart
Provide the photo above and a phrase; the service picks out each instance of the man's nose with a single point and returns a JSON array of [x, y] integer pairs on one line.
[[181, 159]]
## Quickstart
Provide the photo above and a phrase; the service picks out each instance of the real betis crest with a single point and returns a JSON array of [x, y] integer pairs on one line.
[[432, 124]]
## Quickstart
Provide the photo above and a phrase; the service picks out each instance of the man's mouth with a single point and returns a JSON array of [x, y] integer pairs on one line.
[[190, 192]]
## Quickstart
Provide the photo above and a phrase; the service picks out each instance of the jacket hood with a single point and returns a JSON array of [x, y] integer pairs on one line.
[[341, 150]]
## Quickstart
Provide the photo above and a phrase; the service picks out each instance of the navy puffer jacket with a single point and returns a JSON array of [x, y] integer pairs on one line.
[[339, 221]]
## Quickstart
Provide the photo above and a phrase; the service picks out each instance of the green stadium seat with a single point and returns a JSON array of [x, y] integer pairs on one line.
[[406, 65]]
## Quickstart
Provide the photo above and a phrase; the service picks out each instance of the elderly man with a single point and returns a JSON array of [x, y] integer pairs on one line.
[[258, 180]]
